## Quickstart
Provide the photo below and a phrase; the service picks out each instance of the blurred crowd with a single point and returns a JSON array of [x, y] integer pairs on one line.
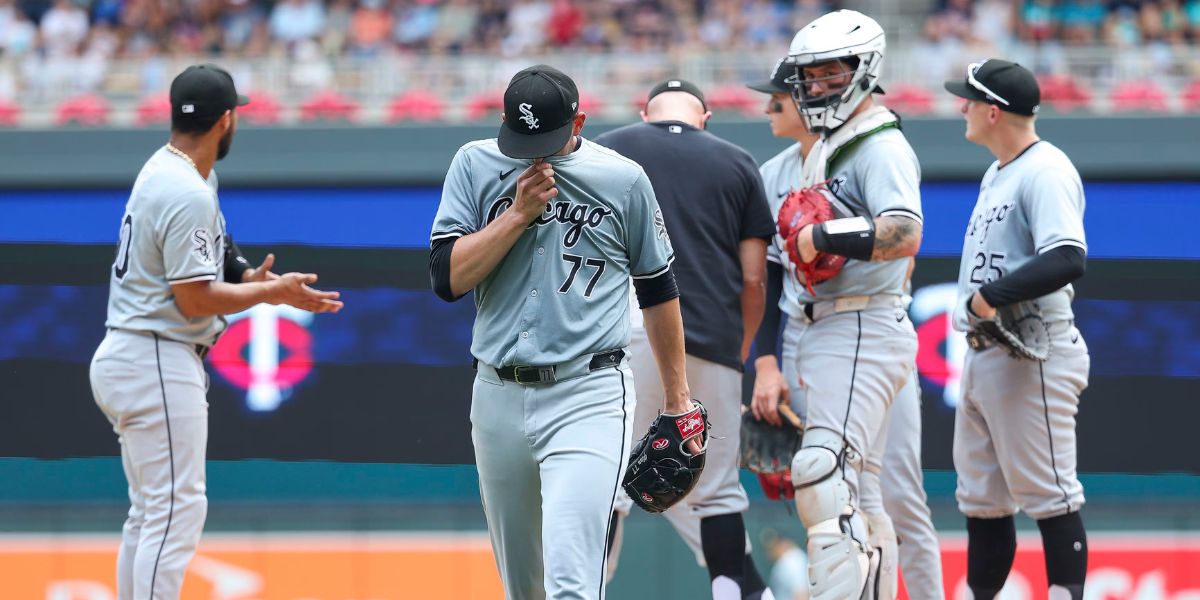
[[368, 28], [126, 50], [1113, 23]]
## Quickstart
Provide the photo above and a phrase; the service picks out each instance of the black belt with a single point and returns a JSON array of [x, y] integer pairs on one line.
[[200, 349], [535, 374]]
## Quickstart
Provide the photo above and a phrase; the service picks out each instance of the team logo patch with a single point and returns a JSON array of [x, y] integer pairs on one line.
[[647, 498], [660, 443], [835, 185], [690, 424], [527, 115], [203, 247], [660, 226]]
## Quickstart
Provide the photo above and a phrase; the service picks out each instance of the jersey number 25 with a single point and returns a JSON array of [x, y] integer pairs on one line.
[[988, 267]]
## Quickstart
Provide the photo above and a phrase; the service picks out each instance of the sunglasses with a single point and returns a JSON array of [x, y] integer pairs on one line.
[[971, 81]]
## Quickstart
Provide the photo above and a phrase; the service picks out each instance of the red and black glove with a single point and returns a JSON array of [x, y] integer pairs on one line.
[[808, 206]]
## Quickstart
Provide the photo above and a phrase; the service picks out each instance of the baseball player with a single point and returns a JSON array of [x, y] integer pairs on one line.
[[1014, 429], [850, 340], [177, 272], [712, 197], [548, 228], [900, 480]]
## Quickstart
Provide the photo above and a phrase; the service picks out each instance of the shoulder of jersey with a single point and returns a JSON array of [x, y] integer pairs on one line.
[[790, 153], [618, 160], [1050, 158], [1049, 154], [728, 146], [889, 136], [176, 178], [485, 145]]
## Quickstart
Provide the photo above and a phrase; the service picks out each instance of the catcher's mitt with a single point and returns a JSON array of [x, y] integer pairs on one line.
[[1019, 328], [661, 471], [767, 451], [808, 206]]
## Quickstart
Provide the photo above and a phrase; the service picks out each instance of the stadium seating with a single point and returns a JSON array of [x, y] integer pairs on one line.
[[10, 113], [1191, 97], [153, 110], [909, 100], [1138, 96], [416, 105], [330, 107], [483, 104], [263, 109], [735, 99], [87, 110], [1062, 93]]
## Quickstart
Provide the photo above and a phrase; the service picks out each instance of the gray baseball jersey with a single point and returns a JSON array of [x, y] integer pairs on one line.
[[781, 175], [602, 228], [877, 176], [1014, 427], [550, 457], [1031, 205], [150, 386], [172, 232]]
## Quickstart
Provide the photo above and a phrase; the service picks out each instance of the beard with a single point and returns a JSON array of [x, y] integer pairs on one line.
[[224, 144]]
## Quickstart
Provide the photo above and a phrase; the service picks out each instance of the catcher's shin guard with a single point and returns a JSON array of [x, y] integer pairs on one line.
[[837, 561], [885, 558]]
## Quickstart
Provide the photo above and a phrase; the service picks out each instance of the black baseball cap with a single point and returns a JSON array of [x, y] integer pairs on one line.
[[1008, 85], [204, 91], [778, 83], [677, 85], [540, 105]]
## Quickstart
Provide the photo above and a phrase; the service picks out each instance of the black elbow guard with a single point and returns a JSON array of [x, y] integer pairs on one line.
[[656, 290], [235, 263], [853, 237], [439, 268]]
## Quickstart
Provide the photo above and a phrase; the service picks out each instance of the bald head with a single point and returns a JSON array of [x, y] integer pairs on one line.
[[676, 106]]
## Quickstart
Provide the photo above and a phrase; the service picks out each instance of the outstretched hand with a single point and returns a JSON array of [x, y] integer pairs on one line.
[[293, 289]]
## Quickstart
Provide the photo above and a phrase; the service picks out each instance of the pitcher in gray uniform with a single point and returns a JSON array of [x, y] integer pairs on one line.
[[548, 228], [1014, 429], [171, 285], [854, 345], [899, 474]]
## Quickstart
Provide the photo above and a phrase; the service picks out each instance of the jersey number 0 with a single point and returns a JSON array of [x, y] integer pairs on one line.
[[121, 266]]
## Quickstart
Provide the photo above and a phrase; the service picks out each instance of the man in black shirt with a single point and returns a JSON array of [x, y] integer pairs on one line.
[[716, 214]]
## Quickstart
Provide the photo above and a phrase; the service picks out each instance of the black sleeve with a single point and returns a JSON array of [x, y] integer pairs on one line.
[[767, 338], [1047, 272], [757, 221], [235, 263], [439, 268], [656, 290]]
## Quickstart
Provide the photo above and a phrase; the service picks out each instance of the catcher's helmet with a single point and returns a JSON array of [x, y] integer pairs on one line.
[[844, 35]]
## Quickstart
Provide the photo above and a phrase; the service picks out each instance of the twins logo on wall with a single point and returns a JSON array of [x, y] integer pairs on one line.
[[940, 349], [265, 351]]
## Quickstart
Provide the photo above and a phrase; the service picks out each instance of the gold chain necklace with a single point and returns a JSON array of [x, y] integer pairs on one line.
[[184, 156]]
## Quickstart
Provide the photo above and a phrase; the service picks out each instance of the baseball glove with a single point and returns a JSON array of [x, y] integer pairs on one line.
[[1019, 328], [808, 206], [661, 471], [767, 451]]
